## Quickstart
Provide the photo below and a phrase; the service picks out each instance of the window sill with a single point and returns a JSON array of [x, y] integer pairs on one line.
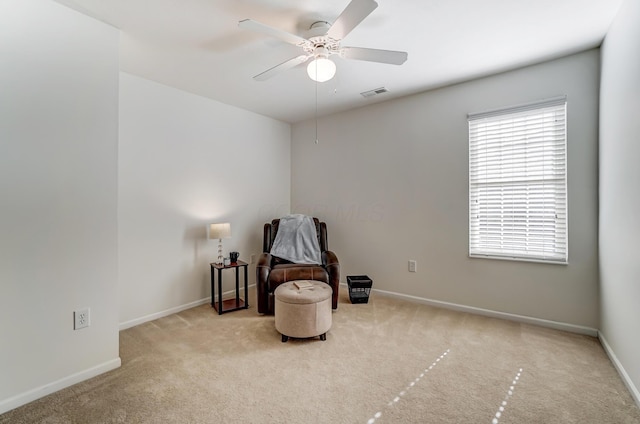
[[519, 259]]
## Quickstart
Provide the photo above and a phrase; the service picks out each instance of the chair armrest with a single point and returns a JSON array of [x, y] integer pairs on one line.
[[264, 260], [331, 264], [263, 269], [329, 258]]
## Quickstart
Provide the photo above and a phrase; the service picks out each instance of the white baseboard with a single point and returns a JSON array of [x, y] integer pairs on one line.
[[137, 321], [493, 314], [34, 394], [635, 393], [162, 314], [621, 371]]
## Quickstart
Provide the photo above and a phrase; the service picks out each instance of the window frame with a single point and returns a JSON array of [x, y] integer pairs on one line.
[[507, 183]]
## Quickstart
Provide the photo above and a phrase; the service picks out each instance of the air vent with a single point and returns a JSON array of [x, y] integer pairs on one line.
[[374, 92]]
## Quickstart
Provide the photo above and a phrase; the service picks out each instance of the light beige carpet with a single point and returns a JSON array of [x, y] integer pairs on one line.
[[387, 361]]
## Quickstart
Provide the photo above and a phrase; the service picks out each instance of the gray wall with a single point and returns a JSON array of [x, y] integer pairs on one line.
[[184, 162], [619, 189], [391, 181], [58, 185]]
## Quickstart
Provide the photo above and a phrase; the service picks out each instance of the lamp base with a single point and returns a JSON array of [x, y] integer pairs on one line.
[[220, 259]]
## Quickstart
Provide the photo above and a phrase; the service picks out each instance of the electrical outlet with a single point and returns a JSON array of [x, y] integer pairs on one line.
[[412, 266], [253, 258], [81, 318]]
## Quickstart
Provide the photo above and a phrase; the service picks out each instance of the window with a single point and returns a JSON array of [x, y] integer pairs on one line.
[[518, 182]]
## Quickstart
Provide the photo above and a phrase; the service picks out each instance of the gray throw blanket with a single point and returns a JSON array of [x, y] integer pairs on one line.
[[297, 241]]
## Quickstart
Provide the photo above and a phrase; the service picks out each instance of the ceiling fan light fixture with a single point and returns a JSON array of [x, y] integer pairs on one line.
[[321, 69], [324, 40]]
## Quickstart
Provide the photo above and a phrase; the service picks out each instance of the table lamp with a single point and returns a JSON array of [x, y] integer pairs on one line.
[[220, 231]]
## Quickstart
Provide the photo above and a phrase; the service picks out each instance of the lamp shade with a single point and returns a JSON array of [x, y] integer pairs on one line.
[[220, 231], [321, 69]]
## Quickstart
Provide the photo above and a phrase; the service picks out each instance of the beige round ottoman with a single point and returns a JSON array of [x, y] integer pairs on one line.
[[303, 312]]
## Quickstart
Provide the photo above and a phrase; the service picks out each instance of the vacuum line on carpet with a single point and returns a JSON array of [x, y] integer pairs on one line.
[[409, 386], [503, 405]]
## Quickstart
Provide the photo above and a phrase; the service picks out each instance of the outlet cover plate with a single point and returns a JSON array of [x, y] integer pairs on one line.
[[412, 266], [81, 318]]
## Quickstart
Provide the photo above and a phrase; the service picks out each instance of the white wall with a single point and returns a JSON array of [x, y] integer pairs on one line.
[[619, 184], [391, 181], [186, 161], [58, 182]]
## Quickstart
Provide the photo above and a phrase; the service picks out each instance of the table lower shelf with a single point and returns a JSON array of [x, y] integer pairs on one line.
[[229, 305]]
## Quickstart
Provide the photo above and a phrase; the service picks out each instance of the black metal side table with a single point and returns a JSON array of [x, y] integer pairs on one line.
[[229, 305]]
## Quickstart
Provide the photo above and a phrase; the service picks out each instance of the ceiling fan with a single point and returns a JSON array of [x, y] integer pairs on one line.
[[325, 42]]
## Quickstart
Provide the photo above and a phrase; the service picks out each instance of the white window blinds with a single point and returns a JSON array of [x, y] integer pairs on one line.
[[518, 182]]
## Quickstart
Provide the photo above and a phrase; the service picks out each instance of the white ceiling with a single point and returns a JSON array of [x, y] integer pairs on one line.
[[196, 45]]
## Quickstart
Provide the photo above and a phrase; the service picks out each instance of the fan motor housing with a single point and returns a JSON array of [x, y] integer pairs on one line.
[[320, 40]]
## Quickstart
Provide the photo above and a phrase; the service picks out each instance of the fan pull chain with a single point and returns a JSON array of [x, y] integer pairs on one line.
[[316, 110]]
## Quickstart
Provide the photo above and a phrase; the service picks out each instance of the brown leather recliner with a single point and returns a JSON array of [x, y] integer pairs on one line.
[[272, 271]]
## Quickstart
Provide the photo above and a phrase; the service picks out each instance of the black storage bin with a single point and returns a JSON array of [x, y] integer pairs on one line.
[[359, 288]]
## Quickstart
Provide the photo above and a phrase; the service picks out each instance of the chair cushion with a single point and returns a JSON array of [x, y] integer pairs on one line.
[[289, 272]]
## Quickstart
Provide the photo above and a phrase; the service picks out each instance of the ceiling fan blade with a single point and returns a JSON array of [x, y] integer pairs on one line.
[[291, 63], [374, 55], [273, 32], [350, 17]]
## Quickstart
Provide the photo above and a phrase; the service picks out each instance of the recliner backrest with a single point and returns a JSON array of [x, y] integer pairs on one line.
[[270, 231]]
